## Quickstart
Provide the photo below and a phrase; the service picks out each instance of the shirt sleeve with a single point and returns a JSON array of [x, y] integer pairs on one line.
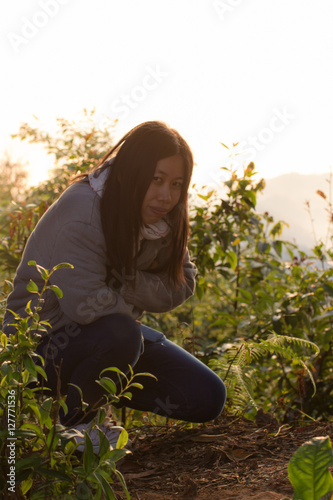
[[154, 293], [86, 297]]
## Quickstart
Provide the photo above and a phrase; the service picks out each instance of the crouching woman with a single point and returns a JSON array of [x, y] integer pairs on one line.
[[124, 227]]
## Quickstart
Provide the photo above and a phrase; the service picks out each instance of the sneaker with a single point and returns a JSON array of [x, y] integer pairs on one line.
[[109, 427]]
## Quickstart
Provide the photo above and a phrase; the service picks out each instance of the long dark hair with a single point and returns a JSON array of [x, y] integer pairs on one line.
[[133, 167]]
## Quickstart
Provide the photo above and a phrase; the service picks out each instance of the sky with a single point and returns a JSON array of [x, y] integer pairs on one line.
[[256, 72]]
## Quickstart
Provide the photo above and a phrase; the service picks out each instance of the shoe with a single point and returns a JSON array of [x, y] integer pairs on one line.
[[108, 427]]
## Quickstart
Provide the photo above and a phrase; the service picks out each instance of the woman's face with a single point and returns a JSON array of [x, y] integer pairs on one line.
[[165, 189]]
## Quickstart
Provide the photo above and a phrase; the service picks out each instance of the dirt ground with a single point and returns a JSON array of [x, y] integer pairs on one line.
[[228, 459]]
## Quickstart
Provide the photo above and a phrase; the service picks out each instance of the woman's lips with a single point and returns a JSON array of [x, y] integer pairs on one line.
[[159, 211]]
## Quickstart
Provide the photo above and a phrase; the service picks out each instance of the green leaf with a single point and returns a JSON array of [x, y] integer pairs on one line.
[[123, 483], [31, 426], [83, 491], [122, 440], [232, 259], [45, 410], [145, 374], [115, 455], [56, 290], [43, 272], [78, 389], [26, 485], [104, 443], [63, 265], [199, 292], [108, 385], [328, 288], [107, 490], [277, 245], [113, 369], [32, 287], [88, 454], [44, 471], [9, 284], [4, 340], [101, 416], [28, 308], [250, 198], [28, 463], [63, 406], [263, 246], [51, 436], [327, 314], [25, 376], [245, 294], [40, 370], [136, 384], [308, 469], [30, 365]]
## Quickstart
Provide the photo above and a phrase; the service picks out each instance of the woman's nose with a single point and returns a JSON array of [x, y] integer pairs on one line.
[[164, 193]]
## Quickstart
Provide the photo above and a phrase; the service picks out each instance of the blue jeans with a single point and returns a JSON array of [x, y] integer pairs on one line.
[[185, 389]]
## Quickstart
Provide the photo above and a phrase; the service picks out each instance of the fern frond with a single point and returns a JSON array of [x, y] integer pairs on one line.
[[236, 355], [239, 383], [234, 366], [247, 385], [281, 344], [310, 376], [282, 339]]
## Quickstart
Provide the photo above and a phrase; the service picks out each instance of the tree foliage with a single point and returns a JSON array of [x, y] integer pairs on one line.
[[75, 147]]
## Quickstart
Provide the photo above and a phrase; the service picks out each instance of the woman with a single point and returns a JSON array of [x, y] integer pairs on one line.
[[124, 228]]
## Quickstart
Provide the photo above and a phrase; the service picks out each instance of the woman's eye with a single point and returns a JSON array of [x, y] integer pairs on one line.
[[157, 179], [178, 184]]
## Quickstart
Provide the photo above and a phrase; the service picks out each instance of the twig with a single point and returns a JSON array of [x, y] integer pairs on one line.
[[231, 363], [330, 211], [307, 204]]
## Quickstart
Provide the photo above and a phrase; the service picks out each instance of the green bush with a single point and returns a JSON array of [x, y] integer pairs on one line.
[[38, 456]]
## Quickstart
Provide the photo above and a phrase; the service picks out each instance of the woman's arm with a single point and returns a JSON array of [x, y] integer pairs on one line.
[[86, 297], [154, 293]]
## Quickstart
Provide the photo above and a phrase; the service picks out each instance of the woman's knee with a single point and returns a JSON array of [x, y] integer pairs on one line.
[[211, 401], [218, 394]]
